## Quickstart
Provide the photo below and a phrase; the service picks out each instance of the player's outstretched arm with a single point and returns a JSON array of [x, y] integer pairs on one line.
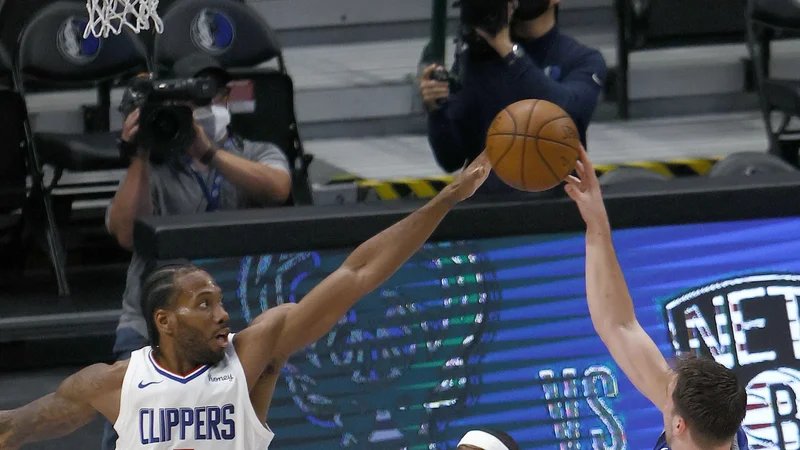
[[74, 404], [371, 264], [610, 303]]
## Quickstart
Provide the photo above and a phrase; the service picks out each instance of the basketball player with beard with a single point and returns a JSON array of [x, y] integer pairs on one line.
[[201, 387], [702, 402]]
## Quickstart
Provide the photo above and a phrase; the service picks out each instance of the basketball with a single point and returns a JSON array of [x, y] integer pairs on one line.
[[533, 145]]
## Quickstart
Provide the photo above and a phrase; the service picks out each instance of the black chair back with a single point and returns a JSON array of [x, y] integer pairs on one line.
[[5, 60], [776, 14], [52, 49], [668, 23], [13, 171], [273, 119], [273, 100], [653, 24], [768, 20], [239, 38], [15, 15], [230, 31]]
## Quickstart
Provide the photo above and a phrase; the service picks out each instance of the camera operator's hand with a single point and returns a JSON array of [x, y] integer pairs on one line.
[[432, 90], [202, 144], [131, 126], [501, 42]]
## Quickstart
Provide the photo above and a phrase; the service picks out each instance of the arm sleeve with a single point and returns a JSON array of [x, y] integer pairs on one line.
[[577, 93]]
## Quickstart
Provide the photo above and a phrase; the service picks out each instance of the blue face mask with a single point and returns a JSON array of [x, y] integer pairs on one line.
[[214, 120]]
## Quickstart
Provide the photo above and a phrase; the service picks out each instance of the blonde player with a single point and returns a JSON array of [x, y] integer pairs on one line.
[[702, 402]]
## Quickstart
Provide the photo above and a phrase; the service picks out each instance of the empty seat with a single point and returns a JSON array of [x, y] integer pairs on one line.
[[52, 53], [767, 20]]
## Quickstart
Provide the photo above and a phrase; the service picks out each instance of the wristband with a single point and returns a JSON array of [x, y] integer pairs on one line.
[[208, 156], [127, 150], [514, 55]]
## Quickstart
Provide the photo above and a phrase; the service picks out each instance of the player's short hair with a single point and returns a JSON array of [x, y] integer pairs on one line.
[[159, 291], [709, 398]]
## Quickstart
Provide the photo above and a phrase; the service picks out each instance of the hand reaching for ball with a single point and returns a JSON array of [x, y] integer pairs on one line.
[[533, 145], [471, 178], [584, 190]]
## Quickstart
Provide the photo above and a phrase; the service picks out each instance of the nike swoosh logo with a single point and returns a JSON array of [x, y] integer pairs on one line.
[[143, 385]]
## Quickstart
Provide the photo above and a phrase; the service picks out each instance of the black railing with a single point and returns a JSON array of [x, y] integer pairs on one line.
[[434, 51]]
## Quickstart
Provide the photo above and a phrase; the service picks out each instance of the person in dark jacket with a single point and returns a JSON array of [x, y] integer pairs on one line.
[[533, 60]]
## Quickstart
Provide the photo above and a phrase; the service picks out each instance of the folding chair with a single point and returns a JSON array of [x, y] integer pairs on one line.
[[659, 24], [766, 21], [13, 175], [239, 38], [53, 53]]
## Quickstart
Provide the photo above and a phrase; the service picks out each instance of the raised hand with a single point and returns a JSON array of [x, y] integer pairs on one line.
[[584, 190], [472, 177]]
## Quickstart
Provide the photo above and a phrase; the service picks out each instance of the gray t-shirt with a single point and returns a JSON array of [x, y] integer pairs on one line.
[[175, 190]]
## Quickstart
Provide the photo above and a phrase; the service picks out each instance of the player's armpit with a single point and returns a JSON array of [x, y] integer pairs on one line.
[[60, 413], [278, 332], [641, 360], [368, 266], [256, 345]]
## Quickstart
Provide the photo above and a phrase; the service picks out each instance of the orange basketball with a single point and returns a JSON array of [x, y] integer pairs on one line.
[[533, 145]]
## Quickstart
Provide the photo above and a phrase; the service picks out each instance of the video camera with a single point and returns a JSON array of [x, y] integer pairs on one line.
[[490, 16], [166, 121]]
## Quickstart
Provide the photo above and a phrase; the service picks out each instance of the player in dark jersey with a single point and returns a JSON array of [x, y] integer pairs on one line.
[[702, 401]]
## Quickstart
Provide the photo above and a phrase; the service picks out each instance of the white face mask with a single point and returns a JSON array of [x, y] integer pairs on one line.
[[214, 120]]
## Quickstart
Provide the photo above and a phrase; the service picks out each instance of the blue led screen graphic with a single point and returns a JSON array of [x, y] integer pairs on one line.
[[496, 333]]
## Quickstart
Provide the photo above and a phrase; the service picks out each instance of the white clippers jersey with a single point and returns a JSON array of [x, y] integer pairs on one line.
[[206, 409]]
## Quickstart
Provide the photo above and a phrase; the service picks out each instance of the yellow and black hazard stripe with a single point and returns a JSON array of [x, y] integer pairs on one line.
[[684, 167], [403, 188]]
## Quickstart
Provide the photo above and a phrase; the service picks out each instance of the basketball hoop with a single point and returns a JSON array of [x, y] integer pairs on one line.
[[109, 16]]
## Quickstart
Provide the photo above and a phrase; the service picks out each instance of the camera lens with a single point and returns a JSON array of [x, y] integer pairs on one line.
[[166, 125]]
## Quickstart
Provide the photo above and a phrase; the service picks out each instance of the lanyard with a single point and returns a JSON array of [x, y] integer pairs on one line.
[[210, 192]]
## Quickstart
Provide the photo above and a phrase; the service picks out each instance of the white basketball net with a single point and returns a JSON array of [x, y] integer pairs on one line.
[[109, 16]]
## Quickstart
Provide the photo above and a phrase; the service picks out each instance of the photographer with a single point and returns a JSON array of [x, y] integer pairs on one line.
[[214, 170], [514, 51]]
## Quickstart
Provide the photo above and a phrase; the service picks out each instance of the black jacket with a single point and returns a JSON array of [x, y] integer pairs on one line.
[[555, 68]]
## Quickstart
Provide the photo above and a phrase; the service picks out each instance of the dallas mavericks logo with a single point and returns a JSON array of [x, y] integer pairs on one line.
[[401, 365], [554, 72], [73, 46], [212, 31], [750, 325]]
